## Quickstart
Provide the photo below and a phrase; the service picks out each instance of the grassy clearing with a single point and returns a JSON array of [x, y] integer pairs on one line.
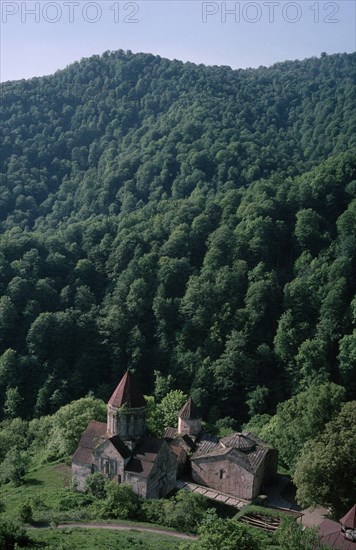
[[48, 490], [97, 539], [43, 488]]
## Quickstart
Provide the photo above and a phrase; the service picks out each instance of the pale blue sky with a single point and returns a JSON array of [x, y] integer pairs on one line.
[[37, 38]]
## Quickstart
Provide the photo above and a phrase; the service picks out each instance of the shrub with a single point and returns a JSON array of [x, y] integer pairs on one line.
[[153, 511], [121, 502], [25, 512], [225, 534], [185, 511], [95, 485], [72, 501], [12, 535], [291, 536]]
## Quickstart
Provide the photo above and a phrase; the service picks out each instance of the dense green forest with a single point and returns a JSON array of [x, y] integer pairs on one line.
[[192, 221]]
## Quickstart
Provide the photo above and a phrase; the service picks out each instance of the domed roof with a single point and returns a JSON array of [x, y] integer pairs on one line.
[[241, 441]]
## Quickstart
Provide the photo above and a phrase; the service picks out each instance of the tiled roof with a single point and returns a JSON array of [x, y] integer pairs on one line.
[[189, 411], [256, 457], [145, 456], [239, 441], [349, 519], [138, 467], [241, 459], [84, 455], [330, 534], [170, 433], [127, 393], [244, 453], [209, 445], [91, 438]]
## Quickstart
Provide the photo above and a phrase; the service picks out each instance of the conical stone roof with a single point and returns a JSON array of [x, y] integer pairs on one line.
[[349, 519], [127, 393], [189, 411]]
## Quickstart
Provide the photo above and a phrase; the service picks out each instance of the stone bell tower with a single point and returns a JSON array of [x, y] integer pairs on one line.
[[189, 419], [127, 412]]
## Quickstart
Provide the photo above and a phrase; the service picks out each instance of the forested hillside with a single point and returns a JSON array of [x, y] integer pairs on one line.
[[195, 221]]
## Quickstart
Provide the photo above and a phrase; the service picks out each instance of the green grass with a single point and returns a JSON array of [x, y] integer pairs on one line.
[[100, 539], [253, 509], [43, 487], [48, 490]]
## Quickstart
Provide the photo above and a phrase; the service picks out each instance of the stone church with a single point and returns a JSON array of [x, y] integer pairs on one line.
[[124, 451], [237, 464]]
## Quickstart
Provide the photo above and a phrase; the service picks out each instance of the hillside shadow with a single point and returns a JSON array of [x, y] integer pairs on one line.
[[33, 482]]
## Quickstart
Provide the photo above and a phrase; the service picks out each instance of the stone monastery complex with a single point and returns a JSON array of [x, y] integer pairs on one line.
[[123, 450]]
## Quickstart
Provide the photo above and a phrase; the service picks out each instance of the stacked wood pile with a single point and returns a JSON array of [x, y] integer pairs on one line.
[[266, 523]]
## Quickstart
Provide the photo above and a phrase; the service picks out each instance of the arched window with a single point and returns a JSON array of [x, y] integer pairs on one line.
[[222, 474]]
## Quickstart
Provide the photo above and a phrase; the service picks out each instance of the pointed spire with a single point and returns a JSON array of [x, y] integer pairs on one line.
[[127, 393], [349, 519], [189, 411]]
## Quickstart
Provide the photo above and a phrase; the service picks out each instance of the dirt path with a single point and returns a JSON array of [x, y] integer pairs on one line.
[[122, 527]]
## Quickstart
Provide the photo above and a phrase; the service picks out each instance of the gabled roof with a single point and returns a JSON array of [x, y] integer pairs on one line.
[[145, 456], [330, 534], [127, 393], [256, 457], [120, 446], [189, 411], [91, 438], [209, 445], [349, 519]]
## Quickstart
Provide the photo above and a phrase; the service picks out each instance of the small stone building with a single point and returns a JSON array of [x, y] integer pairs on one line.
[[340, 535], [237, 464], [123, 450]]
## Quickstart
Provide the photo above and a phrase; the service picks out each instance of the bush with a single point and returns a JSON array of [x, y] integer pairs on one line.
[[291, 536], [121, 502], [72, 501], [224, 534], [11, 534], [185, 511], [95, 485], [153, 511], [25, 513]]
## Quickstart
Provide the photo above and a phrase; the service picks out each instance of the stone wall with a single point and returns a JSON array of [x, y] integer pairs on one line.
[[190, 427], [224, 475], [162, 478], [79, 473], [138, 484], [127, 423], [108, 461]]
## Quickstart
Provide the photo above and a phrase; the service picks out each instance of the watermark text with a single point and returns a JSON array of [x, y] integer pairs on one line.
[[69, 12], [270, 11]]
